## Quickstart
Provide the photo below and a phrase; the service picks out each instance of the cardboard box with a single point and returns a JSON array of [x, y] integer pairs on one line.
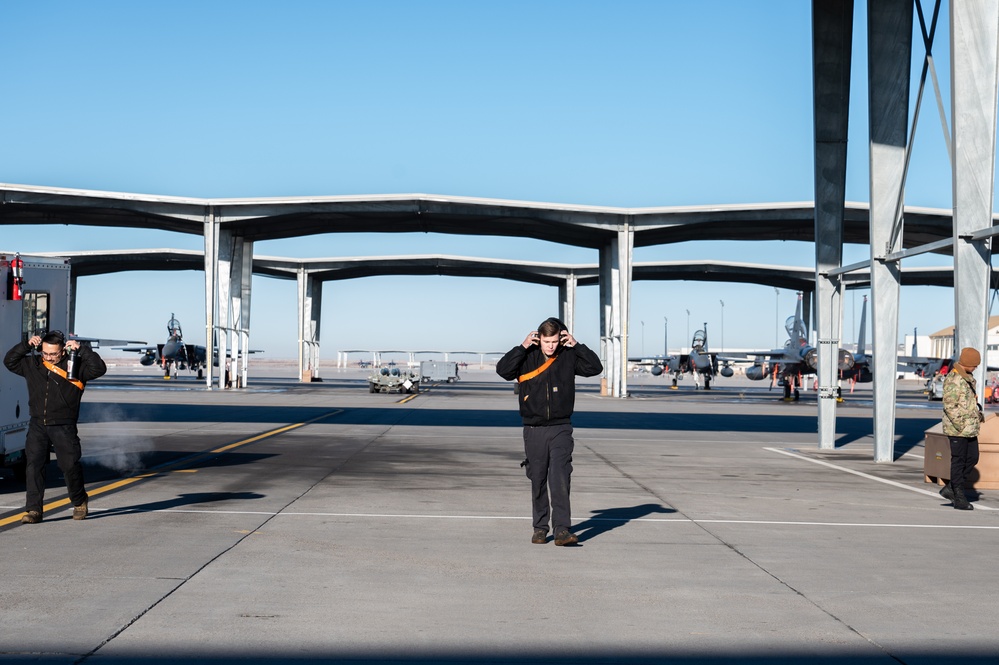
[[936, 456]]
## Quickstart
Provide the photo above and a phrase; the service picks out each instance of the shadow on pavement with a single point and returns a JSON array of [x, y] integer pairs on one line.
[[608, 519], [181, 500]]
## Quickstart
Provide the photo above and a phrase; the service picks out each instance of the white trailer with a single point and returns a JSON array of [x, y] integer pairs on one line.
[[438, 370], [34, 298]]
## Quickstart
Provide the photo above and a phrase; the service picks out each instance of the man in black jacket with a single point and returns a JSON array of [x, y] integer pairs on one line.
[[546, 365], [54, 392]]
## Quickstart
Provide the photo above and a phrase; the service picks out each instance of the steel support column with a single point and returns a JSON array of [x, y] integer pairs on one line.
[[974, 34], [240, 274], [246, 288], [314, 291], [889, 45], [567, 301], [236, 311], [211, 234], [832, 40], [606, 314], [310, 297], [608, 321], [220, 336], [615, 296], [625, 249]]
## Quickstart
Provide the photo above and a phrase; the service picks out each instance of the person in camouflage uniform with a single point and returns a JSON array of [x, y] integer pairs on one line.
[[962, 417]]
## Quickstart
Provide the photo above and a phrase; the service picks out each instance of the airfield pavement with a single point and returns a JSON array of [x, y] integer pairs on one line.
[[311, 523]]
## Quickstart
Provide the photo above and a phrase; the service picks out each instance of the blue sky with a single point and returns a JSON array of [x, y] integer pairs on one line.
[[633, 103]]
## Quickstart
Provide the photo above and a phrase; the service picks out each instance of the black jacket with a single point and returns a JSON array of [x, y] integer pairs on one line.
[[548, 398], [51, 398]]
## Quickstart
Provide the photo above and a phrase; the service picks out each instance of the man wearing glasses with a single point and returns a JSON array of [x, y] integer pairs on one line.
[[54, 392]]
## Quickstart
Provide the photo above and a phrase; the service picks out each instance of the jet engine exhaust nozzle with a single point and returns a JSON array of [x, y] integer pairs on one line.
[[811, 356]]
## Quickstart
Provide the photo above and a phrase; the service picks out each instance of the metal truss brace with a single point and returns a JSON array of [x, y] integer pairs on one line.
[[896, 231]]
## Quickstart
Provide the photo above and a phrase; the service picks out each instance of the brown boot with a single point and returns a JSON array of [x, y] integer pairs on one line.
[[80, 512], [565, 537], [31, 517]]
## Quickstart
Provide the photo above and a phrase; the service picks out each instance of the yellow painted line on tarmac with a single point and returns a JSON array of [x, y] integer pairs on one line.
[[124, 482], [265, 435], [415, 395]]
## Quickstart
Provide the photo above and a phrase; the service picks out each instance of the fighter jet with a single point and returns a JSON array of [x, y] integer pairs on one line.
[[698, 362], [861, 370], [933, 369], [926, 367], [173, 353], [788, 366]]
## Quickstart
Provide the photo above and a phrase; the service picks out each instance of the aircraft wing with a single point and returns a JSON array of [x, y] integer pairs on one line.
[[655, 359], [919, 363], [98, 342], [776, 355], [917, 360], [140, 349], [215, 351]]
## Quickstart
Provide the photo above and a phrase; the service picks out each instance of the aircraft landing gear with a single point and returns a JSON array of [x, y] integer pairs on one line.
[[791, 394]]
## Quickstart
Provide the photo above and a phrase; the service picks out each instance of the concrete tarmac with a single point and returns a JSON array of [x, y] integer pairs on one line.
[[318, 522]]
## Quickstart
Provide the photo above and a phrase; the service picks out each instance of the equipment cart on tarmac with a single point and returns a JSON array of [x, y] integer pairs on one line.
[[436, 370]]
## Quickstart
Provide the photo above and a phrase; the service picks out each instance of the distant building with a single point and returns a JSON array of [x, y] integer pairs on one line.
[[942, 342]]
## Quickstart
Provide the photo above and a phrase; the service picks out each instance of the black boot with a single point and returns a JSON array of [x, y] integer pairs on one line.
[[960, 501], [947, 492]]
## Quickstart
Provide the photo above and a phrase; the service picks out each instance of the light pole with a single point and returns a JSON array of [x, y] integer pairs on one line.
[[665, 337], [722, 347], [688, 324], [643, 339], [776, 316]]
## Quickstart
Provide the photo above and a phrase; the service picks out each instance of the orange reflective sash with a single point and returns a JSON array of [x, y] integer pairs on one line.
[[531, 375], [62, 373]]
